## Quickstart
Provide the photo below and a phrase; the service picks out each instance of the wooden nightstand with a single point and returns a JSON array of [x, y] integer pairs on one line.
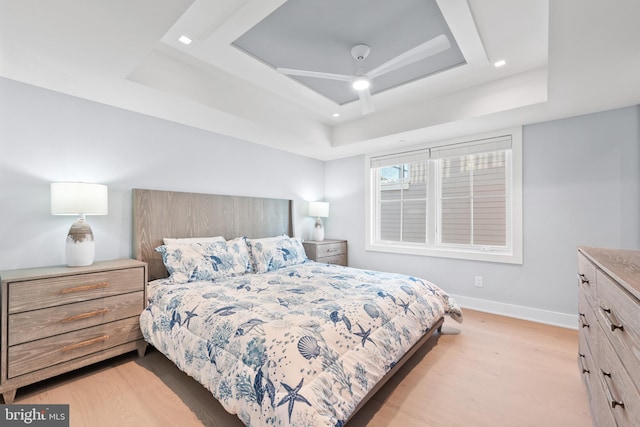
[[57, 319], [329, 251]]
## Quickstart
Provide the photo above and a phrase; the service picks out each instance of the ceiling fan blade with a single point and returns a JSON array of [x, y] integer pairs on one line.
[[366, 101], [429, 48], [320, 75]]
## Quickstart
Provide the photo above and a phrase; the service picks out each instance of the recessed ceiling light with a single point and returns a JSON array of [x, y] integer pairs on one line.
[[184, 39], [336, 114], [500, 63]]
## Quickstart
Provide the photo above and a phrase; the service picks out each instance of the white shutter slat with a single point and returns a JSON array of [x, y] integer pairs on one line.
[[473, 187], [499, 143], [399, 158], [414, 221]]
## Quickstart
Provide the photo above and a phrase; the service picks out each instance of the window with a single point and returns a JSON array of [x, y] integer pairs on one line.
[[460, 199]]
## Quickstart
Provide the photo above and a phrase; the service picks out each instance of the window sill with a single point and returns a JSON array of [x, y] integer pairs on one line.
[[487, 256]]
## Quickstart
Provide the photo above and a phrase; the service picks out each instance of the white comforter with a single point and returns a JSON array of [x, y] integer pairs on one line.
[[298, 346]]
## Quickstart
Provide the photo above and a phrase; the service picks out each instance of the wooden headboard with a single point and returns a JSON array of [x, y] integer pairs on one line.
[[159, 214]]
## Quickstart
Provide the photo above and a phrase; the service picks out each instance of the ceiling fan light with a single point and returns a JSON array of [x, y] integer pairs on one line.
[[361, 83]]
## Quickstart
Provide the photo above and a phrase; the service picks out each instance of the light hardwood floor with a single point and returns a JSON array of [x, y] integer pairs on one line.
[[489, 371]]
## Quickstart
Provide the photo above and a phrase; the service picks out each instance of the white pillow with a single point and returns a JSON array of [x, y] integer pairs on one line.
[[192, 240], [205, 261], [272, 253]]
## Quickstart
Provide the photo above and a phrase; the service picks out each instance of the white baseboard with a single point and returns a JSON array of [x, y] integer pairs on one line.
[[554, 318]]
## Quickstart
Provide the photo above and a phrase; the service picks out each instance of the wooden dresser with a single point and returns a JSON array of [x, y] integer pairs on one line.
[[609, 334], [57, 319], [329, 251]]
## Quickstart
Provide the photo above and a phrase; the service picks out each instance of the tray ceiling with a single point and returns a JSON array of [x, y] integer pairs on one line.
[[128, 54], [318, 36]]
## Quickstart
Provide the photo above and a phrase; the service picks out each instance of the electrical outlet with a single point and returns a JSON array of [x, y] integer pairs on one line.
[[478, 281]]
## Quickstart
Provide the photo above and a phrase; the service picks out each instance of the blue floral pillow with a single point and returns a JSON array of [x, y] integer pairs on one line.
[[240, 249], [205, 261], [272, 253]]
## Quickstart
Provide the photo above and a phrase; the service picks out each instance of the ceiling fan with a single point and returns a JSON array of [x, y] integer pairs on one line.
[[361, 80]]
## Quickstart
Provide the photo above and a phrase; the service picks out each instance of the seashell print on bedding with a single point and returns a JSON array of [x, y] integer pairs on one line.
[[308, 347], [299, 345]]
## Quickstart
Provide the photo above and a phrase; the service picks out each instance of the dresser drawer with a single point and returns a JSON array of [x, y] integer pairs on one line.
[[587, 277], [586, 364], [40, 354], [620, 393], [54, 291], [587, 320], [609, 284], [600, 407], [619, 315], [46, 322]]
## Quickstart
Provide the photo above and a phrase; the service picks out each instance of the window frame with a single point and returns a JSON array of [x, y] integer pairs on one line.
[[514, 252]]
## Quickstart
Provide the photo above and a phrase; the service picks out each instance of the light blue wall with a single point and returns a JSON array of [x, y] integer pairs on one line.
[[46, 136], [581, 187]]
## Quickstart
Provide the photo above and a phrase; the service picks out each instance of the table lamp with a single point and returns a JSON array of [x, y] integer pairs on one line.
[[319, 210], [79, 198]]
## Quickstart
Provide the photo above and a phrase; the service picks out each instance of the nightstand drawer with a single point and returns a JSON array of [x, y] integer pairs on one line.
[[331, 249], [40, 354], [56, 319], [54, 291], [46, 322], [335, 259], [327, 251]]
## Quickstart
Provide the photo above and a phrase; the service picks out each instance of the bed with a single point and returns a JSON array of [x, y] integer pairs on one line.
[[277, 339]]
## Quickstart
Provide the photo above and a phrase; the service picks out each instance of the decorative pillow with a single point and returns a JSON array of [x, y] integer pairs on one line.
[[272, 253], [191, 240], [204, 261], [240, 249]]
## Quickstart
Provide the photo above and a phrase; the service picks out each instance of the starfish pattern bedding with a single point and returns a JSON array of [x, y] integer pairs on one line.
[[298, 346]]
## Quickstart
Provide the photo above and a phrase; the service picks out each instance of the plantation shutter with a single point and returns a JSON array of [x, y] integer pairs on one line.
[[402, 203], [399, 158], [474, 192]]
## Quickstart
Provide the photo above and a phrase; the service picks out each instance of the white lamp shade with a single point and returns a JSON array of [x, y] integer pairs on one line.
[[319, 209], [78, 198]]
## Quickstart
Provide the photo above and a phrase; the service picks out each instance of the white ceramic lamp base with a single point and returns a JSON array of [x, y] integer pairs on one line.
[[81, 248], [318, 231]]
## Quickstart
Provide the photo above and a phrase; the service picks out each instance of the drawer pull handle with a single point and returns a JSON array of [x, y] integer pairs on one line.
[[612, 324], [85, 315], [583, 278], [332, 250], [613, 402], [582, 359], [86, 288], [583, 321], [85, 343]]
